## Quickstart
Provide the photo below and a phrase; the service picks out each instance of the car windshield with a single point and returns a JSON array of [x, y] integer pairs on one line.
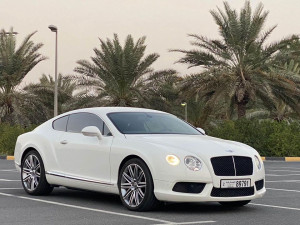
[[150, 123]]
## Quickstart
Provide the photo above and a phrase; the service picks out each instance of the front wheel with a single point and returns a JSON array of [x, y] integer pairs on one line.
[[136, 186], [235, 204], [33, 175]]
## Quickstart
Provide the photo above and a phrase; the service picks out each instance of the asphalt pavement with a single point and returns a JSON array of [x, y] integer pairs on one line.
[[280, 205]]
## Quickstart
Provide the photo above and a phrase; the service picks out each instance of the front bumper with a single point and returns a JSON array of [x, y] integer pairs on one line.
[[163, 192]]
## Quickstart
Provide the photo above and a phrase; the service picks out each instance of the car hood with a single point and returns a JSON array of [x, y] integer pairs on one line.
[[201, 145]]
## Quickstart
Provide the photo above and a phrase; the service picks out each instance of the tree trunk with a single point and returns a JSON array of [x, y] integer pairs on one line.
[[241, 109]]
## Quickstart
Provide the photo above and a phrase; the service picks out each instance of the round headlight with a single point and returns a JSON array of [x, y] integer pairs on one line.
[[192, 163], [172, 160], [257, 162]]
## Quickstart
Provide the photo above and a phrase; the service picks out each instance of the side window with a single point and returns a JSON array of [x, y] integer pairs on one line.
[[78, 121], [106, 131], [60, 123]]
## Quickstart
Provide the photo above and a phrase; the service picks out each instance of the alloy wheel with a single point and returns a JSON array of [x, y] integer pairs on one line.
[[31, 172], [133, 185]]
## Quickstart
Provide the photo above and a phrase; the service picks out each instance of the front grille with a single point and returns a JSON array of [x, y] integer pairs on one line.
[[232, 165], [259, 184], [232, 192], [189, 187]]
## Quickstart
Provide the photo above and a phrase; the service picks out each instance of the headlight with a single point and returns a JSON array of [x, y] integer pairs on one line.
[[192, 163], [172, 160], [257, 162]]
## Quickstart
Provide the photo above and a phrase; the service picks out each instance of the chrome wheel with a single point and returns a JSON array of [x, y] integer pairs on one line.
[[133, 185], [31, 172]]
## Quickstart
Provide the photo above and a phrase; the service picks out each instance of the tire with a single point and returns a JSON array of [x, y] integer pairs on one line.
[[136, 186], [33, 175], [235, 204]]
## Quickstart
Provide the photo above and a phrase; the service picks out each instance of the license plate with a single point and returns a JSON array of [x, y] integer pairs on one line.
[[235, 183]]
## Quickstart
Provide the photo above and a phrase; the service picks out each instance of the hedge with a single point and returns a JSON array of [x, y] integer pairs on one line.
[[268, 137], [9, 135]]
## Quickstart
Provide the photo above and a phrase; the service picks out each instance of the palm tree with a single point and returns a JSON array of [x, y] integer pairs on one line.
[[15, 63], [118, 73], [236, 67], [44, 93]]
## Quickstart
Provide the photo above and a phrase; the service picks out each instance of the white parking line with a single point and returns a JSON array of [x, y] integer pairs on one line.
[[279, 181], [14, 170], [10, 188], [8, 180], [88, 209], [276, 189], [275, 206], [293, 171], [195, 222], [282, 175], [297, 168]]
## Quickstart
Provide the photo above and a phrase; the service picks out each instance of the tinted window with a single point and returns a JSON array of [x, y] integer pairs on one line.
[[106, 131], [60, 124], [150, 123], [78, 121]]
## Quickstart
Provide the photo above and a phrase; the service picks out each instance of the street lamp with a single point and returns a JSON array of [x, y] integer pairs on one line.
[[54, 29], [184, 104]]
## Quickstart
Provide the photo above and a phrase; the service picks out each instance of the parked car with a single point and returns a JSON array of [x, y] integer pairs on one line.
[[144, 155]]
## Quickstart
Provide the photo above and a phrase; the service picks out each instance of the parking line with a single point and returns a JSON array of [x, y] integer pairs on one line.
[[195, 222], [275, 206], [298, 168], [282, 175], [8, 180], [88, 209], [14, 170], [276, 189], [293, 171], [10, 188], [287, 181]]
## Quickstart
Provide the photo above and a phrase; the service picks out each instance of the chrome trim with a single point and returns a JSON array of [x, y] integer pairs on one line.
[[77, 178], [234, 166]]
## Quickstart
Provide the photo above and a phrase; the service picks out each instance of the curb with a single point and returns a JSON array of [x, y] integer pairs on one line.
[[283, 159], [7, 157]]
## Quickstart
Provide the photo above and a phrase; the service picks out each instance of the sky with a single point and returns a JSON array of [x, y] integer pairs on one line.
[[165, 23]]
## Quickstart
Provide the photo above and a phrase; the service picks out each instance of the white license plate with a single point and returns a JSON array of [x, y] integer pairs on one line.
[[235, 183]]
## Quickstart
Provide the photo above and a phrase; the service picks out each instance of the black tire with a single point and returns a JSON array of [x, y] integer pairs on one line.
[[149, 200], [41, 187], [235, 204]]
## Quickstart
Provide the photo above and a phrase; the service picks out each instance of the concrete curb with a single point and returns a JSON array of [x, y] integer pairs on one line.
[[283, 159]]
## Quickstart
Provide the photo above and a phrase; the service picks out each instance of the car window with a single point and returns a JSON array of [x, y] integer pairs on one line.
[[60, 123], [78, 121], [106, 131], [150, 123]]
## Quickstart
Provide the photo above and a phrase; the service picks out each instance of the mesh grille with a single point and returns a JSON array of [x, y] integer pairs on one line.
[[259, 184], [232, 192], [232, 165], [189, 187]]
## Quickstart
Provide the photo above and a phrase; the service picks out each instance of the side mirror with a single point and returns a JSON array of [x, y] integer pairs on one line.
[[201, 130], [92, 131]]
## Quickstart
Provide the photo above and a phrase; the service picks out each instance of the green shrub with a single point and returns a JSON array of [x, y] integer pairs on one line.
[[269, 138], [8, 137]]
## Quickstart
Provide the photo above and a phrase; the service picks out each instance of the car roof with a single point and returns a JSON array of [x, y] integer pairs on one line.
[[105, 110]]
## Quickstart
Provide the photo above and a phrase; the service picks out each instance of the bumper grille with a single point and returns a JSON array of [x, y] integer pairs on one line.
[[189, 187], [232, 165], [232, 192], [259, 184]]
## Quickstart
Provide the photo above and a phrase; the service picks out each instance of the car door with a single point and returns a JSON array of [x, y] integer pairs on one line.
[[81, 156]]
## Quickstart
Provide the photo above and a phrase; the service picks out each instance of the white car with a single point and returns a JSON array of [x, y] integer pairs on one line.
[[144, 155]]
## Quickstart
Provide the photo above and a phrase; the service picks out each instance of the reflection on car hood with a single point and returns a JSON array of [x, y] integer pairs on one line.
[[196, 144]]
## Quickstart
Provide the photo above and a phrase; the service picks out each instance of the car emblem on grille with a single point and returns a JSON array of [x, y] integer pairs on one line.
[[229, 150]]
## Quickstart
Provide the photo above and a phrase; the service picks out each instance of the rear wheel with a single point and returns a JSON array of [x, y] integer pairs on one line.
[[33, 175], [235, 204], [136, 186]]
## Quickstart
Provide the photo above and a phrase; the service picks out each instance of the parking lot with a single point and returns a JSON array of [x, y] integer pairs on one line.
[[281, 204]]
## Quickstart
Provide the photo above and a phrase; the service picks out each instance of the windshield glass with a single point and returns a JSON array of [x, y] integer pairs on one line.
[[150, 123]]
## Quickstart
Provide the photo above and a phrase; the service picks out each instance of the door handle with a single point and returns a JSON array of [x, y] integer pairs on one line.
[[64, 142]]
